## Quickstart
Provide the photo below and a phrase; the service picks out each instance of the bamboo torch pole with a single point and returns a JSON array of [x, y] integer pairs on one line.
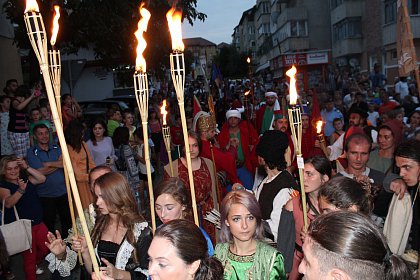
[[166, 136], [178, 77], [55, 73], [141, 90], [295, 119], [38, 38]]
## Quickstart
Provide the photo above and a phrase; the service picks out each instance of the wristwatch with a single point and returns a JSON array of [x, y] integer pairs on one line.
[[21, 191]]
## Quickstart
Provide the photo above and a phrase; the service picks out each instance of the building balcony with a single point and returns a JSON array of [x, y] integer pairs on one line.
[[293, 44], [389, 31], [346, 10], [289, 14], [347, 47]]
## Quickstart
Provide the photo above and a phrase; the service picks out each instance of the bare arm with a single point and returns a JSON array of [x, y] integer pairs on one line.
[[10, 200], [20, 106]]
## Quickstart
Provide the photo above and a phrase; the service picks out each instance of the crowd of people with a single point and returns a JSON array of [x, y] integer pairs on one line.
[[361, 176]]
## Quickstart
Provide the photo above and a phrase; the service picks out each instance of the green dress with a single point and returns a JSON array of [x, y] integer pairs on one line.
[[266, 263]]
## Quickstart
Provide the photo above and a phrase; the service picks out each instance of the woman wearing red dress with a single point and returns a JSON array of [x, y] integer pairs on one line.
[[204, 181]]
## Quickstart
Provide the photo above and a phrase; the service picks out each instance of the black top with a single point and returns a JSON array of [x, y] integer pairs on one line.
[[270, 191], [108, 250], [28, 206]]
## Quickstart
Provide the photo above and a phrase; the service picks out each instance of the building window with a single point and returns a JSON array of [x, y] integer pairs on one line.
[[390, 11], [335, 3], [347, 28], [251, 30], [265, 7], [298, 28], [413, 6], [264, 29], [252, 43]]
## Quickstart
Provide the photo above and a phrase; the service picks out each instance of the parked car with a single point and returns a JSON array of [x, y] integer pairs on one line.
[[94, 109]]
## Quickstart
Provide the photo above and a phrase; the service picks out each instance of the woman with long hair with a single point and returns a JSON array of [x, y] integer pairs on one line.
[[342, 193], [317, 171], [81, 160], [18, 189], [348, 245], [204, 180], [100, 145], [241, 251], [121, 236], [173, 202], [179, 252], [126, 163]]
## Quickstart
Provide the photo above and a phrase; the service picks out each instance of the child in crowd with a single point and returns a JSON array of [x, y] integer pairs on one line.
[[373, 115], [338, 130], [46, 116], [35, 119]]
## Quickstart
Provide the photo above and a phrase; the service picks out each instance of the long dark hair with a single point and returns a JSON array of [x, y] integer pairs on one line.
[[191, 246], [343, 193], [321, 164], [352, 242], [74, 134], [92, 135], [121, 136]]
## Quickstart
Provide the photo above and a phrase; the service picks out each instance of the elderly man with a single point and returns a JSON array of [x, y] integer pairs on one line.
[[265, 115], [243, 137], [276, 188], [205, 125], [357, 152]]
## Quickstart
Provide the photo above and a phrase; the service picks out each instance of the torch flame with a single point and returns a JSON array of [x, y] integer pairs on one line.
[[247, 92], [163, 111], [174, 18], [293, 93], [141, 46], [318, 127], [31, 6], [248, 60], [56, 26]]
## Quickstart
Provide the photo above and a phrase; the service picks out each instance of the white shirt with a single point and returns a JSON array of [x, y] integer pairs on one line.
[[282, 197]]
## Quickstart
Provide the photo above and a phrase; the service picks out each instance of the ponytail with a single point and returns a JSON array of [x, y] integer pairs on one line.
[[209, 269], [396, 268]]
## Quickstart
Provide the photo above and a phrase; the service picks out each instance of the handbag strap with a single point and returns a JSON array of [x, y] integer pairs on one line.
[[2, 212]]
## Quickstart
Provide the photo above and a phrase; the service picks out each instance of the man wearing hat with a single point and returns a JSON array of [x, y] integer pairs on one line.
[[276, 188], [357, 118], [205, 125], [265, 115], [243, 137], [329, 114]]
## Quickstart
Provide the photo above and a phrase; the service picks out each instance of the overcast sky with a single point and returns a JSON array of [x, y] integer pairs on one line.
[[222, 17]]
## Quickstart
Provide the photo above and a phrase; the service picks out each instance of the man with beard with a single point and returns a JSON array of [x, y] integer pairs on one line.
[[278, 185], [265, 115], [357, 149], [243, 137], [357, 118], [407, 159], [225, 160]]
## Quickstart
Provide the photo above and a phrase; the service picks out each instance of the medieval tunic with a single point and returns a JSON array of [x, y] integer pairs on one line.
[[272, 195]]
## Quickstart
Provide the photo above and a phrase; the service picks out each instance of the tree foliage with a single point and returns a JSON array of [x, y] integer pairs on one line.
[[107, 27], [231, 63]]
